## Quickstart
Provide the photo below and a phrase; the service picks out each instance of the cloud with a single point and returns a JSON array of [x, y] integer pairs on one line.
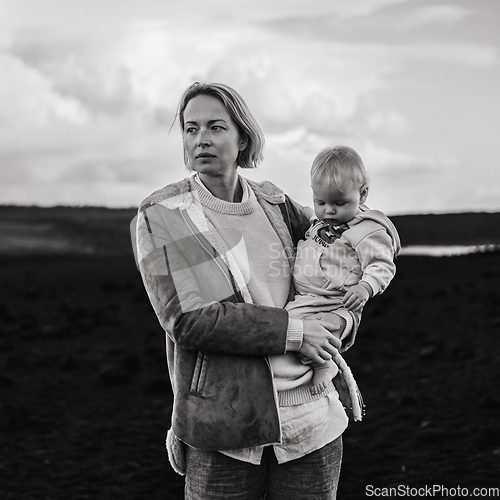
[[388, 121], [471, 55], [486, 196], [305, 94], [292, 83], [86, 75], [386, 160], [343, 9], [301, 146], [240, 12], [99, 93], [371, 21], [441, 15], [424, 34], [82, 15], [29, 99]]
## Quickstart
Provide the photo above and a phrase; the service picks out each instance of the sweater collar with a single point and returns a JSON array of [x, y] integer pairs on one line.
[[265, 190], [208, 200]]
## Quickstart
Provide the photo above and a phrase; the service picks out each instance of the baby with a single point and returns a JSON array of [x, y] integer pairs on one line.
[[349, 250]]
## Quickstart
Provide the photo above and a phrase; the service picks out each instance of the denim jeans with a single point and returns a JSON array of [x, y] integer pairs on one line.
[[211, 475]]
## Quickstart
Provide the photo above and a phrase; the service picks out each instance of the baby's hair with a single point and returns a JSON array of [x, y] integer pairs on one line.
[[341, 166]]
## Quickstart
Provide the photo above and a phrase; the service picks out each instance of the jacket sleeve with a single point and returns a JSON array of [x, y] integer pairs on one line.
[[194, 299], [296, 221], [376, 255]]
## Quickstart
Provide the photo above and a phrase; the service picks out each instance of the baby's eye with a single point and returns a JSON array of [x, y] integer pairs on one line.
[[341, 203]]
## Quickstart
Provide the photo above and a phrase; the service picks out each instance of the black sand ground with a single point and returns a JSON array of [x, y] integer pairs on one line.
[[85, 400]]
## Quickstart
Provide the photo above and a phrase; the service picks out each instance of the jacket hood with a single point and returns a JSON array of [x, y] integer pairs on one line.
[[377, 216]]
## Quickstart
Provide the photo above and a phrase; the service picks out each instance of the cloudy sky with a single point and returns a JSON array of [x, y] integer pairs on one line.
[[88, 91]]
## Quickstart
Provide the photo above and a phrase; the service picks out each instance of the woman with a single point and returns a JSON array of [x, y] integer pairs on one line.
[[216, 251]]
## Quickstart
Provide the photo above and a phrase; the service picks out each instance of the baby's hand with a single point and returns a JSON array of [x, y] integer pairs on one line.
[[356, 297], [308, 212]]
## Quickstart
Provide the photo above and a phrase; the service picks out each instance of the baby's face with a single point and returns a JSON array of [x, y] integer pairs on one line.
[[336, 206]]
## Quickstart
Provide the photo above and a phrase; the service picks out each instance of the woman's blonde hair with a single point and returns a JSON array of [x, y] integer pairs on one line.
[[340, 166], [238, 110]]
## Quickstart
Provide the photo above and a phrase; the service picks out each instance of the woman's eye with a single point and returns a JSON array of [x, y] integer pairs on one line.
[[215, 128], [190, 130]]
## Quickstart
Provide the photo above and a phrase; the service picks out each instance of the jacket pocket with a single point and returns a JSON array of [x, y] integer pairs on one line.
[[199, 374]]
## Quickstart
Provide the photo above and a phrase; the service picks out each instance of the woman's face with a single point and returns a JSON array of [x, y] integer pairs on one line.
[[211, 137]]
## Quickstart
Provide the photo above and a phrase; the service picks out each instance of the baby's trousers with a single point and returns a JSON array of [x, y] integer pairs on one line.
[[213, 476]]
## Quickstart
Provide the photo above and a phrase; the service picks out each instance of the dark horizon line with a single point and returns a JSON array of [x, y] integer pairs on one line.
[[103, 207]]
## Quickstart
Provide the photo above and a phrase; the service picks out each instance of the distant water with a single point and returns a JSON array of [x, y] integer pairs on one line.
[[448, 250]]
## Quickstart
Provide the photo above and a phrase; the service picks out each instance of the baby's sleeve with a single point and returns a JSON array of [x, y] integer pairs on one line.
[[376, 255]]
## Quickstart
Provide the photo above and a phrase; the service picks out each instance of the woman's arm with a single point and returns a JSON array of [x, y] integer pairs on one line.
[[192, 294]]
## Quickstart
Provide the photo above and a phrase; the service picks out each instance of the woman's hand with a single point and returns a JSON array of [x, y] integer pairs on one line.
[[320, 341]]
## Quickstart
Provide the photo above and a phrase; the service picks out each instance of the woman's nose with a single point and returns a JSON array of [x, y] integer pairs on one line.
[[203, 138]]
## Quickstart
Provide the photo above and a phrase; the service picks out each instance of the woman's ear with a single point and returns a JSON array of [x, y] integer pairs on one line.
[[363, 194], [243, 142]]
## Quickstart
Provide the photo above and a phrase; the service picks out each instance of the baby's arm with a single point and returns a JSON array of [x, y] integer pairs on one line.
[[376, 256]]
